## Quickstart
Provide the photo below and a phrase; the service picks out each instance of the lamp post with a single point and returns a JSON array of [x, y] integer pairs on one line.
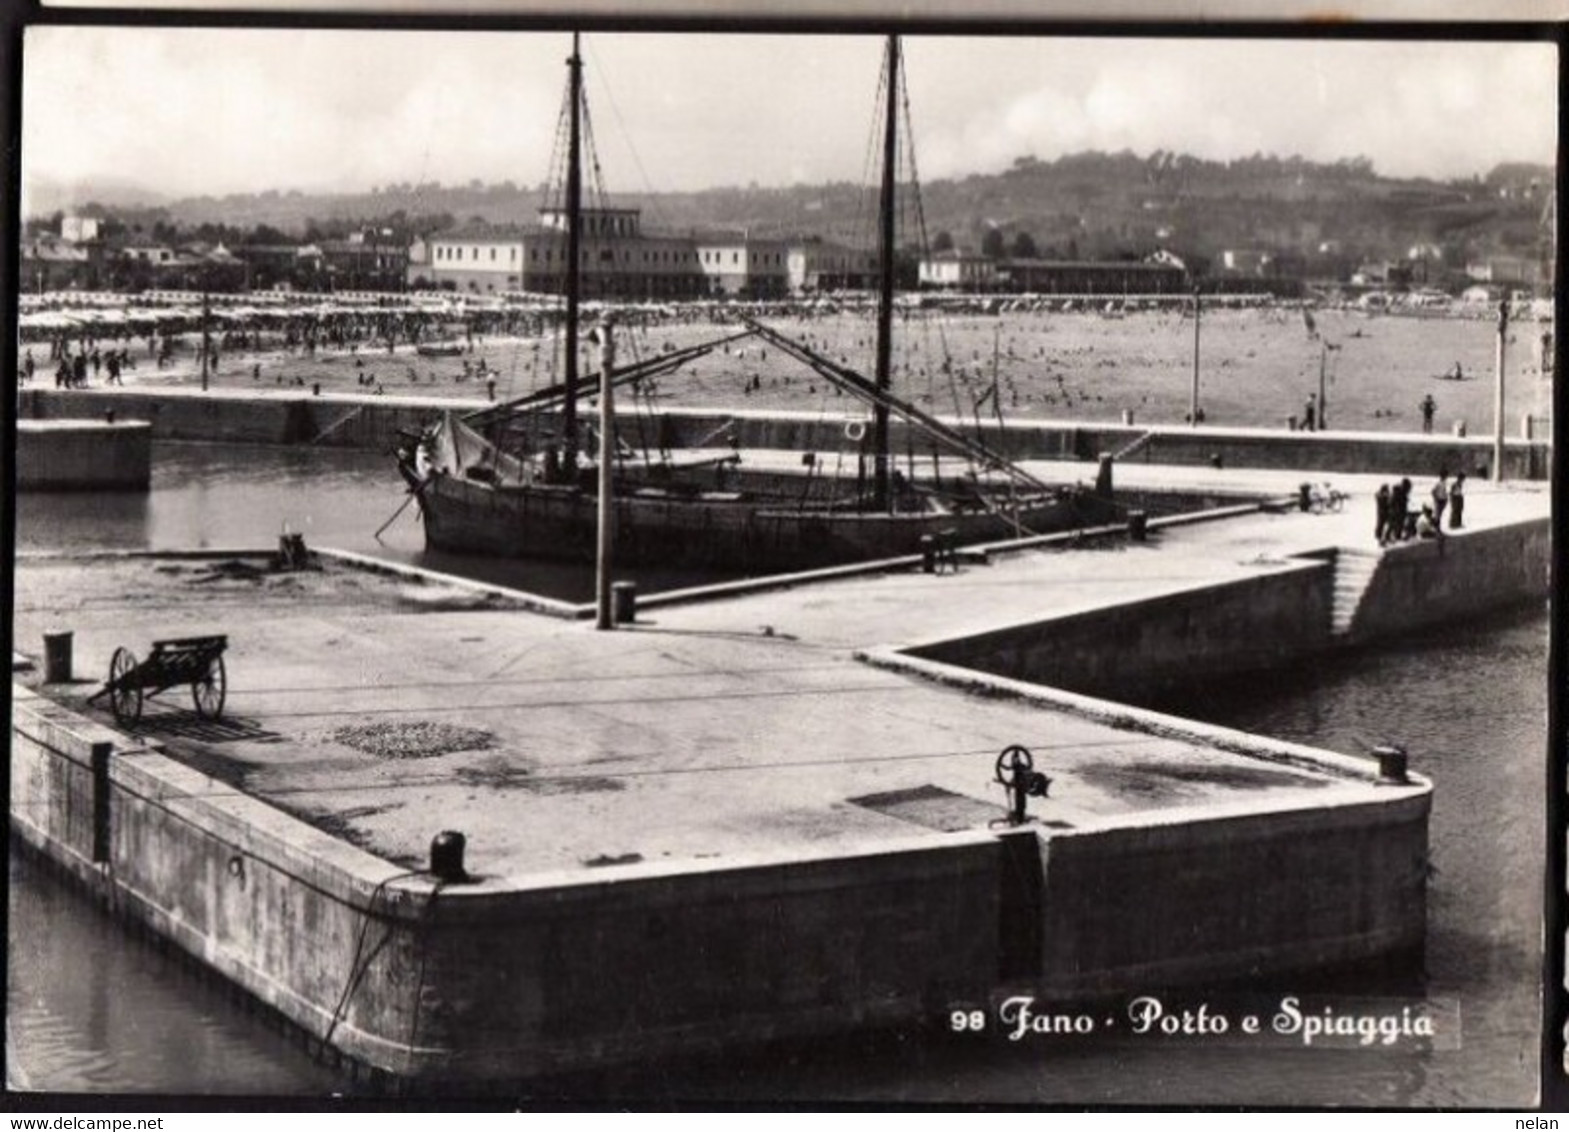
[[1498, 393], [206, 331], [607, 451], [1193, 398]]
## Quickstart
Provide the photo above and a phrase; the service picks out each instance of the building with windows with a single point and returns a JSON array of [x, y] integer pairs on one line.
[[734, 264], [954, 270], [487, 260], [617, 259], [815, 264], [1097, 277]]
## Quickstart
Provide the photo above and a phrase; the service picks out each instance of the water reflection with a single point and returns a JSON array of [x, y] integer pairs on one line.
[[243, 497]]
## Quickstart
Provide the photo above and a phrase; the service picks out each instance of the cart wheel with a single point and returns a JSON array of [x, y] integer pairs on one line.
[[208, 691], [125, 695]]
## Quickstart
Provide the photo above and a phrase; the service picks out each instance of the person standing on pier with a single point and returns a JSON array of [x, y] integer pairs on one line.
[[1381, 505], [1399, 510], [1310, 413], [1456, 501], [1428, 407], [1440, 497]]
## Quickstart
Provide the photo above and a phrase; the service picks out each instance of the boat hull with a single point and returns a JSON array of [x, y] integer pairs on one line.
[[721, 530]]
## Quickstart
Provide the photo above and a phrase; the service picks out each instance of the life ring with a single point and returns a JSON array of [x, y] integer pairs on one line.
[[855, 430]]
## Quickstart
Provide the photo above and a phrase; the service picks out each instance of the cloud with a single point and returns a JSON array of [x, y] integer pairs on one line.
[[1417, 109], [194, 110]]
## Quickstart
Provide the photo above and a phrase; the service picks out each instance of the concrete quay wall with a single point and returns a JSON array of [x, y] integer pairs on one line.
[[1235, 895], [1418, 584], [350, 421], [272, 905], [497, 981], [1148, 647], [83, 455], [1153, 647]]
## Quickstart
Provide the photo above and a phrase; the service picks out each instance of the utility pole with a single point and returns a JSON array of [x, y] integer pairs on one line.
[[206, 333], [1193, 398], [1323, 389], [607, 451], [1498, 393]]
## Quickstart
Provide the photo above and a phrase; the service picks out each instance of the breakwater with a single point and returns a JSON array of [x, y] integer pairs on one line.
[[810, 895], [377, 423], [83, 455], [1156, 647]]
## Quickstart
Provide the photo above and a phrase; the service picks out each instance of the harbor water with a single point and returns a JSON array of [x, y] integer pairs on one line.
[[95, 1009]]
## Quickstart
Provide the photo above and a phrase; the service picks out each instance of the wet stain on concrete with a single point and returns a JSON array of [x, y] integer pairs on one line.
[[932, 807], [1161, 782], [508, 777]]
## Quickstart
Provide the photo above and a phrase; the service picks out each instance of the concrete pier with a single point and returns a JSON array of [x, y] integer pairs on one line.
[[84, 455], [763, 815], [371, 422]]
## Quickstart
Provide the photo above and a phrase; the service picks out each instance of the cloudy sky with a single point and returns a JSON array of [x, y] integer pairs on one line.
[[190, 110]]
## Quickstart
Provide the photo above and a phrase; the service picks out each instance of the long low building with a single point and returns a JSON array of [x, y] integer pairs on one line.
[[964, 271], [619, 260]]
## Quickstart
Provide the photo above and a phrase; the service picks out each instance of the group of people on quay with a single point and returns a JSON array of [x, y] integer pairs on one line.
[[1397, 521]]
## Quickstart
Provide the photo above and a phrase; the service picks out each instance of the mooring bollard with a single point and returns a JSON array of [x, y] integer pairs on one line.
[[1103, 474], [623, 600], [1460, 428], [928, 554], [316, 389], [109, 416], [1127, 416], [446, 856], [948, 548], [1138, 525], [57, 657], [1392, 766]]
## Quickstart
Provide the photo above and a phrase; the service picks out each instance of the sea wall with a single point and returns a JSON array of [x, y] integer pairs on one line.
[[83, 455], [1140, 649], [499, 980], [1431, 582], [348, 421], [1231, 896], [1153, 648], [231, 881]]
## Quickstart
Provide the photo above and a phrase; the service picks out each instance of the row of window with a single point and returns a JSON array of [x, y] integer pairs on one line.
[[753, 259], [444, 253], [454, 254]]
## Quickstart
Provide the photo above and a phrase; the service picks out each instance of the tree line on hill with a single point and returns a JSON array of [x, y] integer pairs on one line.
[[1321, 217]]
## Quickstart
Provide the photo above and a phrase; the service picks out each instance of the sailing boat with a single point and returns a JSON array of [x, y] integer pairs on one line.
[[477, 496]]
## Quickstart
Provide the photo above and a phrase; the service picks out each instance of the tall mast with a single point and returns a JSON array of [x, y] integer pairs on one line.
[[880, 494], [574, 256]]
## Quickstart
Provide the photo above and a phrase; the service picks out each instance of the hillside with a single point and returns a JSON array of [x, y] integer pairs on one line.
[[1089, 205]]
